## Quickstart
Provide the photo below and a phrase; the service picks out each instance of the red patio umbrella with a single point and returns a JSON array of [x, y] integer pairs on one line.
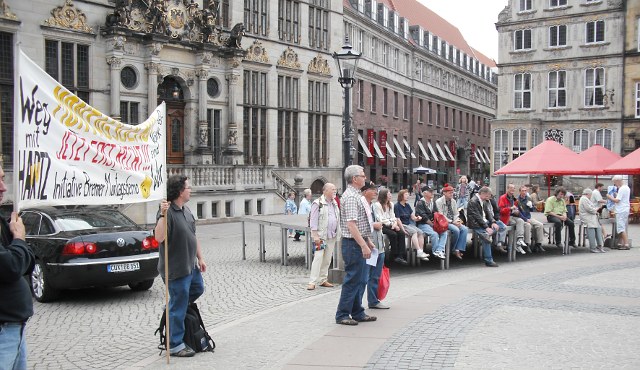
[[595, 159], [627, 165], [548, 158]]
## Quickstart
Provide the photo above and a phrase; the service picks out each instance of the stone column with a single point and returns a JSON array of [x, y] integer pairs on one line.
[[115, 65], [232, 153], [152, 88], [203, 127]]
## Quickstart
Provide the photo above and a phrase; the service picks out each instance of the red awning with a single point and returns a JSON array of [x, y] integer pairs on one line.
[[550, 158], [627, 165]]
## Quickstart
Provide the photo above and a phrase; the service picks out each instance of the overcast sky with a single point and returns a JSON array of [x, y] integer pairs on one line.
[[474, 18]]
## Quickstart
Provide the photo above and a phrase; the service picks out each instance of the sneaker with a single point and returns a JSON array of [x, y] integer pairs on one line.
[[540, 249], [491, 264], [439, 254], [401, 261], [423, 256], [594, 250], [519, 249], [601, 249], [185, 352], [379, 306], [521, 243]]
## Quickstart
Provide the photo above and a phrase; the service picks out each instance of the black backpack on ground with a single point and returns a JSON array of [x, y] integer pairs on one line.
[[195, 335]]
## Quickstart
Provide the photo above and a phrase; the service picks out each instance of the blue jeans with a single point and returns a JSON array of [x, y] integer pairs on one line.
[[438, 241], [462, 202], [182, 291], [372, 276], [501, 235], [459, 237], [13, 347], [486, 246], [350, 303]]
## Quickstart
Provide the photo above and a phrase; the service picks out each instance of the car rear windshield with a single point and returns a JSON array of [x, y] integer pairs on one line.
[[93, 220]]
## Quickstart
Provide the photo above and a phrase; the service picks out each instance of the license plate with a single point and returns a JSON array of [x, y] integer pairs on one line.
[[124, 267]]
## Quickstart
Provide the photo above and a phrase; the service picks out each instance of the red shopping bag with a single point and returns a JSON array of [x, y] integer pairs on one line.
[[383, 283]]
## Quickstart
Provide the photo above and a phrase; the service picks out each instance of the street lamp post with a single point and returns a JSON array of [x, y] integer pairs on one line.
[[347, 62]]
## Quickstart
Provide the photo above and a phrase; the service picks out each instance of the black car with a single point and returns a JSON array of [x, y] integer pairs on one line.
[[82, 247]]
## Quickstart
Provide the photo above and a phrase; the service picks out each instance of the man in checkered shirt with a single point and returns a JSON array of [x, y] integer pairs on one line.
[[356, 248]]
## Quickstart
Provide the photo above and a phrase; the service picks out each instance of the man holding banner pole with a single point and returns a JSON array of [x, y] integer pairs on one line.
[[185, 261]]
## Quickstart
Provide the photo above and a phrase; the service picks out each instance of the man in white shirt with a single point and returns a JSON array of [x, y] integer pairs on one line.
[[622, 208]]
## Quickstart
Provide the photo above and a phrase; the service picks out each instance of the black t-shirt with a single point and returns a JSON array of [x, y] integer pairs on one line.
[[16, 260], [181, 231]]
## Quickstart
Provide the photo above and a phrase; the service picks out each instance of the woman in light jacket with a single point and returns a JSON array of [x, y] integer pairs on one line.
[[589, 217]]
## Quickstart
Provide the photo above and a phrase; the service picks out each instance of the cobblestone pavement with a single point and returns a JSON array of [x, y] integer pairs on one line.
[[261, 317]]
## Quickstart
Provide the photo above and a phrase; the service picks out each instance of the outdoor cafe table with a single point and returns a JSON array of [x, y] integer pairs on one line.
[[283, 222]]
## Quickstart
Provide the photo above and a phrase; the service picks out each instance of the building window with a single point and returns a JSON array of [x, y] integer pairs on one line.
[[318, 119], [223, 12], [535, 137], [6, 98], [557, 3], [319, 24], [68, 63], [374, 49], [430, 113], [522, 39], [374, 98], [467, 121], [288, 126], [525, 5], [446, 117], [580, 140], [453, 119], [213, 87], [519, 143], [595, 31], [594, 87], [255, 16], [395, 104], [396, 55], [385, 54], [522, 91], [437, 114], [637, 99], [214, 121], [385, 101], [421, 109], [129, 112], [604, 137], [557, 89], [500, 149], [360, 94], [405, 107], [128, 77], [558, 36], [289, 21], [255, 117]]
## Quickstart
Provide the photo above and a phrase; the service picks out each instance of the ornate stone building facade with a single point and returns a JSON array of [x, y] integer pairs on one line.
[[251, 99], [560, 78], [423, 97]]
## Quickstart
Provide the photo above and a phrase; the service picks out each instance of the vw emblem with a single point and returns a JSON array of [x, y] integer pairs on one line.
[[120, 242]]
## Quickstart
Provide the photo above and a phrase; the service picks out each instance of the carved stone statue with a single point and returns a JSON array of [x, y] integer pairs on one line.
[[235, 40], [121, 14], [233, 138], [157, 17]]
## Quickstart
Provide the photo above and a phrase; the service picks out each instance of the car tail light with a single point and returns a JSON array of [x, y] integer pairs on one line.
[[150, 243], [79, 248]]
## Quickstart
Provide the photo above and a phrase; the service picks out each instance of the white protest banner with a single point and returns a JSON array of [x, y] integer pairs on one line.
[[68, 153]]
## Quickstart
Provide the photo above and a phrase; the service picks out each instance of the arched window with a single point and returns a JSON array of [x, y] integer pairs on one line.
[[580, 140], [500, 148], [604, 137], [519, 143]]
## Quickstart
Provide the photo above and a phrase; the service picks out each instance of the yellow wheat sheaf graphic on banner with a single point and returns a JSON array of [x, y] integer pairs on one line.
[[76, 114]]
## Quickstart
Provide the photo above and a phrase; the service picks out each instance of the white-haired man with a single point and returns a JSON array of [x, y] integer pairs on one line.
[[622, 208], [303, 209]]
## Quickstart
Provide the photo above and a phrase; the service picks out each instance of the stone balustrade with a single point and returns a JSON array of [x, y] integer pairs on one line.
[[215, 177]]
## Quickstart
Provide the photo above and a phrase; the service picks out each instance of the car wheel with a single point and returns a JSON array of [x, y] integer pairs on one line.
[[40, 287], [143, 285]]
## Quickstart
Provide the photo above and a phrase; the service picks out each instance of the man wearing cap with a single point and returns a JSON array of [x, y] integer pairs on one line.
[[356, 248], [459, 232], [589, 217], [372, 273], [480, 219], [425, 209], [622, 206]]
